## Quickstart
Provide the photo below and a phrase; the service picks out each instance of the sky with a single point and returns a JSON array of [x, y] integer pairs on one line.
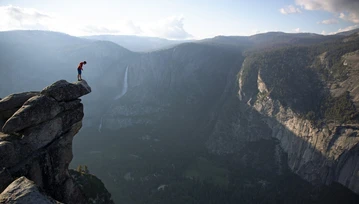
[[180, 19]]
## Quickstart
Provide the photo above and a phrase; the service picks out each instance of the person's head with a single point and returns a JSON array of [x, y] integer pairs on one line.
[[84, 62]]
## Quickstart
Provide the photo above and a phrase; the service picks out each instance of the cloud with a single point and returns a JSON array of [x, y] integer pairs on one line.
[[91, 29], [17, 18], [349, 8], [134, 29], [256, 31], [13, 17], [297, 30], [171, 28], [350, 17], [329, 21], [349, 28], [290, 10]]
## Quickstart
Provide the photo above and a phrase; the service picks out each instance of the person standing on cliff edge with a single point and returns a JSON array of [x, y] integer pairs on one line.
[[79, 70]]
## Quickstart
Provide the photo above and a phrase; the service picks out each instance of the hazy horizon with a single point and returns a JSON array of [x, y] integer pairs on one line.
[[179, 40], [180, 20]]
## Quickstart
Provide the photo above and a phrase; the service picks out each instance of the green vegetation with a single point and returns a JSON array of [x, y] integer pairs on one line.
[[188, 172], [91, 186], [340, 109], [332, 69], [287, 74], [204, 170], [297, 77], [82, 169], [249, 74]]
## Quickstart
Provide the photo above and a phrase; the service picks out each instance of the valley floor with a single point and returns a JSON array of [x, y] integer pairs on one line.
[[147, 165]]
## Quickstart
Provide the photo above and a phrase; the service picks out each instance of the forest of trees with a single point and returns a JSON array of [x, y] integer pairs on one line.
[[295, 76]]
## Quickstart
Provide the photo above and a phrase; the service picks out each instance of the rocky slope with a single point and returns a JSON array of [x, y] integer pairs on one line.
[[22, 190], [310, 106], [36, 143]]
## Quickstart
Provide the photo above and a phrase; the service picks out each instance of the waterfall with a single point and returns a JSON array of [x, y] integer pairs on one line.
[[123, 92], [100, 126], [125, 85]]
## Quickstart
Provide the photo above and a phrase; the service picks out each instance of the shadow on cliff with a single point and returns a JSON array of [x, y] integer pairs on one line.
[[309, 163], [237, 122], [288, 86]]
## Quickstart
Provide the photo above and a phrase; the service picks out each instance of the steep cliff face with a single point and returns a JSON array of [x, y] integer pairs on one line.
[[36, 141], [171, 83], [320, 155], [321, 140]]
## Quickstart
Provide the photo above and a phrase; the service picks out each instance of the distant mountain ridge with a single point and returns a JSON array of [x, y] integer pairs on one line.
[[348, 33], [270, 40], [149, 44], [138, 43]]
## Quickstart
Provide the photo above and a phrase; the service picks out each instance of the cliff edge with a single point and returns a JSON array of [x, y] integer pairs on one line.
[[36, 144]]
